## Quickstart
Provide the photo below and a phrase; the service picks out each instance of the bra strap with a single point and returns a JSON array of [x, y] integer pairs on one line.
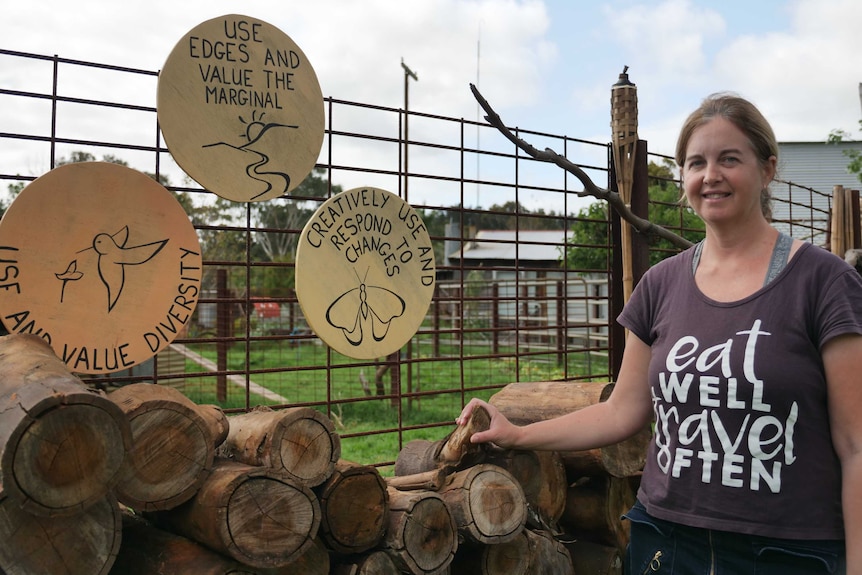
[[780, 255]]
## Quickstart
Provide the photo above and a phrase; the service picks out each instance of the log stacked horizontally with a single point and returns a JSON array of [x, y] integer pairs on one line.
[[142, 480], [61, 449], [602, 483]]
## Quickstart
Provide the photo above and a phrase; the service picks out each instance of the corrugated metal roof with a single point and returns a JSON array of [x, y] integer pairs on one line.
[[523, 245]]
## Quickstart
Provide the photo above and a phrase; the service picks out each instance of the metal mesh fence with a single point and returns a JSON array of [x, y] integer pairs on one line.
[[506, 307]]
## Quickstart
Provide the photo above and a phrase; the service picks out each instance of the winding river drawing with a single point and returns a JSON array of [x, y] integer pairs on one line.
[[262, 143]]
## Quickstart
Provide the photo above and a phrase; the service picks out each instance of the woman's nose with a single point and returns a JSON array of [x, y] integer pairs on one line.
[[712, 173]]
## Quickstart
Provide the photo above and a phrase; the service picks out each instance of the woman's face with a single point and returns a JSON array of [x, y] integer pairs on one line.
[[722, 175]]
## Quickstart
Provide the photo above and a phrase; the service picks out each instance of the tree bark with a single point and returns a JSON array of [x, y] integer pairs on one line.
[[421, 535], [428, 480], [313, 561], [527, 402], [354, 506], [148, 550], [61, 443], [300, 440], [487, 503], [374, 563], [257, 515], [542, 476], [509, 558], [82, 544], [593, 509], [547, 555], [450, 453], [173, 445], [595, 558]]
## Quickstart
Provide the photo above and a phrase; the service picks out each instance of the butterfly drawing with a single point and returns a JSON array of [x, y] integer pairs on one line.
[[371, 305]]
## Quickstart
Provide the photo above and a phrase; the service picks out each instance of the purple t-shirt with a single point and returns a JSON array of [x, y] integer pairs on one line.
[[742, 440]]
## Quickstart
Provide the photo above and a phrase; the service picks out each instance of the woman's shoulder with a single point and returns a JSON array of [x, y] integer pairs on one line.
[[812, 255]]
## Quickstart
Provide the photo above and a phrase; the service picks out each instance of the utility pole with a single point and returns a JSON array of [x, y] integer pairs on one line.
[[408, 73]]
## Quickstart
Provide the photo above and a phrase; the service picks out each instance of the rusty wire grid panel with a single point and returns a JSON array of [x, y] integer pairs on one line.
[[505, 308]]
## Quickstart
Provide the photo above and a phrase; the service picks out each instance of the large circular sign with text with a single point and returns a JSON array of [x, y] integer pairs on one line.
[[365, 272], [100, 261], [241, 109]]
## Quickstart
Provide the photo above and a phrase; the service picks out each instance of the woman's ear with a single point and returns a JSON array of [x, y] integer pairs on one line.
[[769, 169]]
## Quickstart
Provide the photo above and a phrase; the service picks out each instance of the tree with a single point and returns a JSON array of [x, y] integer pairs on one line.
[[587, 247], [639, 224], [281, 220], [855, 156], [289, 214]]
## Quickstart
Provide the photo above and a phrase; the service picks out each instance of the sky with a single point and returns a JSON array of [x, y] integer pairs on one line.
[[545, 65]]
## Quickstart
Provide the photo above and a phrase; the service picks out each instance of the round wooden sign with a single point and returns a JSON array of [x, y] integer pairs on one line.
[[102, 262], [365, 272], [241, 109]]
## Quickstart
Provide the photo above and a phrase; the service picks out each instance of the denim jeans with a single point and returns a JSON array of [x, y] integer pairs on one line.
[[657, 547]]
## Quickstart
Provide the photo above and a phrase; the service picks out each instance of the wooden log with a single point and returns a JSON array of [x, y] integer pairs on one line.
[[314, 561], [257, 515], [453, 452], [547, 555], [487, 503], [416, 457], [508, 558], [354, 507], [374, 563], [300, 440], [429, 480], [82, 544], [61, 443], [594, 506], [216, 421], [173, 445], [527, 402], [421, 535], [148, 550], [543, 479], [590, 558]]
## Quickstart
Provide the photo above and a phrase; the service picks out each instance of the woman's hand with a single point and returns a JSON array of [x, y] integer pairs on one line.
[[501, 432]]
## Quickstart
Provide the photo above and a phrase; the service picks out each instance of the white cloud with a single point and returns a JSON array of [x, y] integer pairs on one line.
[[804, 79], [544, 65], [667, 39]]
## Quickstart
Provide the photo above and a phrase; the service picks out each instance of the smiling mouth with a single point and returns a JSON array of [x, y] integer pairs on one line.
[[716, 195]]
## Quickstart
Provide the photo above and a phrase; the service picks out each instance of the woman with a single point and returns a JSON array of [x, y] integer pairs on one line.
[[746, 352]]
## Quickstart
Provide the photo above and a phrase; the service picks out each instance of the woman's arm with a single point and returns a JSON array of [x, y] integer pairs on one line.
[[842, 360], [625, 412]]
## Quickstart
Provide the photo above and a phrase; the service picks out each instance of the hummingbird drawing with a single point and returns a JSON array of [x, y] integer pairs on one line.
[[114, 256]]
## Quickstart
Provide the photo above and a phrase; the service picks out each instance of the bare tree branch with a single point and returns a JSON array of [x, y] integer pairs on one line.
[[590, 188]]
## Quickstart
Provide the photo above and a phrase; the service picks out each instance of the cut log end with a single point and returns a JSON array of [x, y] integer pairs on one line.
[[354, 504], [84, 543], [271, 522], [421, 536], [68, 458]]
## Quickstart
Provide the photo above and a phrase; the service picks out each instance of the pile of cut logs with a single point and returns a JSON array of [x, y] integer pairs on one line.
[[142, 480]]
